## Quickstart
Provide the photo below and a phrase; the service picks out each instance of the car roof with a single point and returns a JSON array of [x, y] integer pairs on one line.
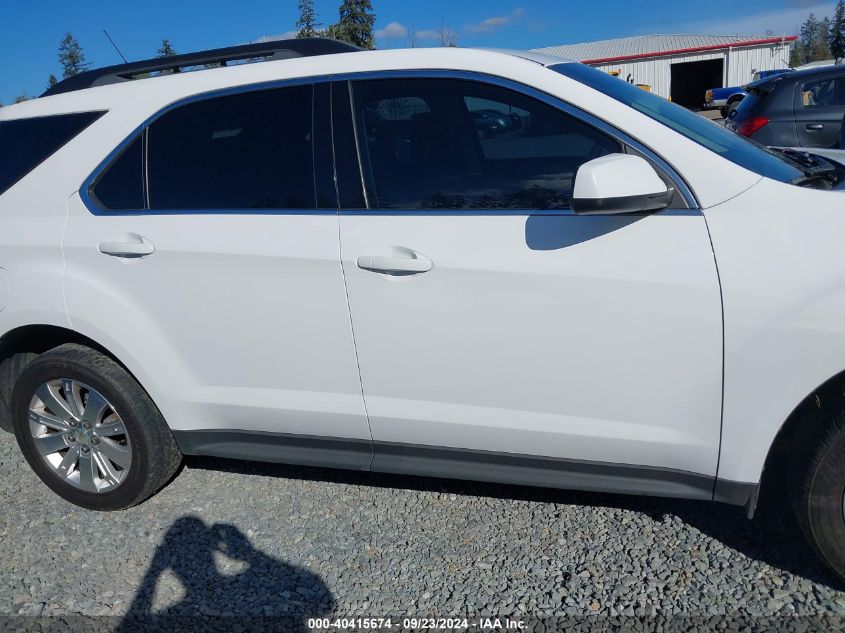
[[108, 96], [798, 75]]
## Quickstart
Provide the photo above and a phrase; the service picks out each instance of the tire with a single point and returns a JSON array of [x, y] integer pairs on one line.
[[10, 369], [818, 485], [731, 108], [148, 454]]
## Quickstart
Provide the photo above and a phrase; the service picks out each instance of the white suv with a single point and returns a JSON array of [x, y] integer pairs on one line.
[[488, 265]]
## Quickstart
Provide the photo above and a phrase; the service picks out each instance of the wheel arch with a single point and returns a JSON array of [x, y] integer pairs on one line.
[[802, 419], [19, 346]]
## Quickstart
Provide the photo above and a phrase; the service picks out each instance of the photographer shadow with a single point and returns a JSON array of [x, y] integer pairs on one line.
[[207, 577]]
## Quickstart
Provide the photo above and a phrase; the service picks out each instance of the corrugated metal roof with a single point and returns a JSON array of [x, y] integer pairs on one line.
[[651, 45]]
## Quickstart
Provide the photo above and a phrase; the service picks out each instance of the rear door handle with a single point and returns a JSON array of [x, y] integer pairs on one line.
[[815, 126], [404, 261], [133, 246]]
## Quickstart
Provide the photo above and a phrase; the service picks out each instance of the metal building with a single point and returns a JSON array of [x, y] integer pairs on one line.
[[682, 67]]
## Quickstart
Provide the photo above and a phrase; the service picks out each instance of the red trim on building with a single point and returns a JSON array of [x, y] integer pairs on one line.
[[694, 49]]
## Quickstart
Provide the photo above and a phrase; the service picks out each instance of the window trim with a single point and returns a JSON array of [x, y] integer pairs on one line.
[[551, 100], [556, 102], [92, 204]]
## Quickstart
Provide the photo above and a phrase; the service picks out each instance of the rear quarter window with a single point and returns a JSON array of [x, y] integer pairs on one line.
[[26, 143]]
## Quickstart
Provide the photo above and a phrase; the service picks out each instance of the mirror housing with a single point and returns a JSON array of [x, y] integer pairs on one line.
[[619, 183]]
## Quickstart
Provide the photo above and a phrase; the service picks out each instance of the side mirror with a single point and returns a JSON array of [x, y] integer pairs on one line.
[[619, 183]]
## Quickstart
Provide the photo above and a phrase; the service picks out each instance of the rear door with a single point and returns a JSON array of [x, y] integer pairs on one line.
[[204, 255], [819, 108], [499, 335]]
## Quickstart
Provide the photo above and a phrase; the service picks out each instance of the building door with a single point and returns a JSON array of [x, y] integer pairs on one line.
[[690, 80]]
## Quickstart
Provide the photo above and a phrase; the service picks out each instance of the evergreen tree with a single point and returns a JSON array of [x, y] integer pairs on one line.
[[821, 43], [837, 31], [807, 37], [51, 81], [21, 98], [307, 25], [166, 49], [71, 57], [356, 23], [798, 55]]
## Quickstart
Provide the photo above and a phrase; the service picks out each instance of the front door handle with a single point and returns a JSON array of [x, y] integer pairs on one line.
[[133, 246], [815, 126], [402, 261]]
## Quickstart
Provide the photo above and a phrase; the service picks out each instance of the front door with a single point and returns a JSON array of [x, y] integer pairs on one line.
[[502, 337]]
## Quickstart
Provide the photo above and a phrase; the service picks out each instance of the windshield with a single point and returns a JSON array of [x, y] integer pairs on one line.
[[733, 147]]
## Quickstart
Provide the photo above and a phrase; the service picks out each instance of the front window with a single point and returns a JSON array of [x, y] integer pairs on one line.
[[457, 144], [733, 147]]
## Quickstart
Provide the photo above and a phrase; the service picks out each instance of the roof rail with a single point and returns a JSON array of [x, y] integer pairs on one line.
[[273, 50]]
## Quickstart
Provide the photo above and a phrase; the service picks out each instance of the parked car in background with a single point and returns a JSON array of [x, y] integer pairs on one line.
[[728, 99], [318, 259], [801, 109]]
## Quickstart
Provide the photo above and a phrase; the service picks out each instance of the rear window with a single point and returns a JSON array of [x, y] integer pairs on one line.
[[26, 143], [751, 103], [730, 146]]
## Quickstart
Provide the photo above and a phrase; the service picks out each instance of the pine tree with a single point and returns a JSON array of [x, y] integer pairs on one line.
[[821, 43], [51, 81], [307, 25], [807, 37], [837, 31], [798, 56], [356, 23], [166, 49], [71, 57]]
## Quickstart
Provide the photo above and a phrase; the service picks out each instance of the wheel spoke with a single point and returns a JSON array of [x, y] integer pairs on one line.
[[50, 421], [87, 472], [50, 443], [69, 461], [95, 405], [49, 395], [73, 397], [120, 455], [110, 429], [107, 471]]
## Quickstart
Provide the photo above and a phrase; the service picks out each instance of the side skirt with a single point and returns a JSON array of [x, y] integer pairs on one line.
[[456, 463]]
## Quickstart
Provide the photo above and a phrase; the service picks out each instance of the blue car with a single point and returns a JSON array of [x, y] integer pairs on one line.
[[728, 99]]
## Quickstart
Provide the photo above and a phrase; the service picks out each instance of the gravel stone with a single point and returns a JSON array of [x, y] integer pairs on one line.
[[248, 539]]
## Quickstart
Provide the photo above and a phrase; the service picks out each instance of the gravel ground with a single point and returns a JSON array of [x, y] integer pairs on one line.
[[237, 538]]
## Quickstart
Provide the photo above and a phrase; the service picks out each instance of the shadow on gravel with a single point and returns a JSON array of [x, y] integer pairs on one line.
[[773, 537], [222, 579]]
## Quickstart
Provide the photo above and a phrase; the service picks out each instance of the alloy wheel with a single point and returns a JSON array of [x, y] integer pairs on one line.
[[79, 435]]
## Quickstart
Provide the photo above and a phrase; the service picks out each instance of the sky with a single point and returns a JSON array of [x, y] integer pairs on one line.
[[30, 31]]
